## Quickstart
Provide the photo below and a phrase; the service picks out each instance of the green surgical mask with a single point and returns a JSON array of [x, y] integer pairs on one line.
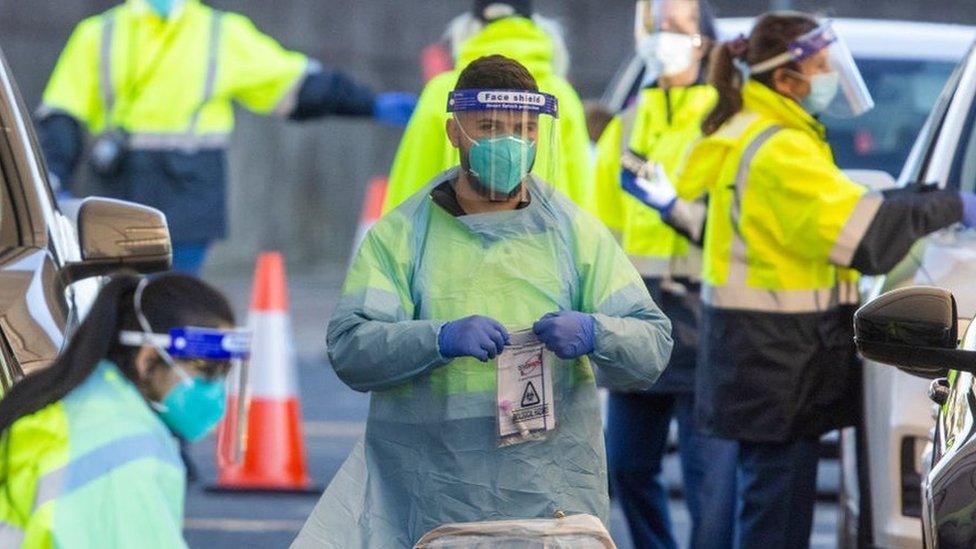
[[500, 163], [193, 407]]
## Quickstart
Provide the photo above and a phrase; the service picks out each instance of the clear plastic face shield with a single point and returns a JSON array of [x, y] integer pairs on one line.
[[201, 358], [837, 88], [668, 35], [503, 136]]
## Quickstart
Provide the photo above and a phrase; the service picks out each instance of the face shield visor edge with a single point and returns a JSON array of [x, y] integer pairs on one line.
[[504, 136], [195, 405], [852, 98]]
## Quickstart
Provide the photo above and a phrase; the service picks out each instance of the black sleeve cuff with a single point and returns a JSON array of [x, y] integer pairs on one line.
[[903, 217], [325, 92]]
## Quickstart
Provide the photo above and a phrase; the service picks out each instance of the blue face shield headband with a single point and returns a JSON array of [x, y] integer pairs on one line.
[[504, 127], [194, 406]]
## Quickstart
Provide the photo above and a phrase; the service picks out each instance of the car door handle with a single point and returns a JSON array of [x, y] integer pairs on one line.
[[939, 391]]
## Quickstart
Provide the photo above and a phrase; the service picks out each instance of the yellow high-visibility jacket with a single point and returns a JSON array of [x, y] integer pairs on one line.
[[662, 127], [785, 225], [95, 469], [171, 83]]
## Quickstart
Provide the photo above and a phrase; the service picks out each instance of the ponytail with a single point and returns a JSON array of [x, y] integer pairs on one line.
[[90, 344], [771, 36], [727, 80]]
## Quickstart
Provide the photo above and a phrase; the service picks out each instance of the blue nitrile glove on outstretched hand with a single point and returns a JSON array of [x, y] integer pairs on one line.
[[968, 208], [656, 192], [394, 108], [569, 334], [477, 336]]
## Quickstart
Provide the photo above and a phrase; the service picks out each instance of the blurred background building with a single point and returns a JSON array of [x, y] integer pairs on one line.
[[298, 188]]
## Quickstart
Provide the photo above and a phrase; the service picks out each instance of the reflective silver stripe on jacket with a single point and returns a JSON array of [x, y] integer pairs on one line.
[[210, 79], [10, 535], [105, 64], [683, 266], [177, 141], [738, 261], [771, 301], [856, 227], [99, 462], [188, 140]]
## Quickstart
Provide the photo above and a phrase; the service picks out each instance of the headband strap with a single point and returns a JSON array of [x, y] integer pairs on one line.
[[807, 45], [508, 100]]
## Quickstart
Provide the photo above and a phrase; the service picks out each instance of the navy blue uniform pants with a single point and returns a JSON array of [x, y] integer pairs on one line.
[[637, 435], [777, 488]]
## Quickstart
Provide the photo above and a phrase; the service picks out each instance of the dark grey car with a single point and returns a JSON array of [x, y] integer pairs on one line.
[[45, 252], [917, 329]]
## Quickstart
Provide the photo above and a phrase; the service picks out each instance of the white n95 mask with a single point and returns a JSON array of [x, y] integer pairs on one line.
[[672, 52]]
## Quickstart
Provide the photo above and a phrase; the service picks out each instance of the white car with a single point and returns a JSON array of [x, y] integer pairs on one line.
[[884, 508], [905, 65]]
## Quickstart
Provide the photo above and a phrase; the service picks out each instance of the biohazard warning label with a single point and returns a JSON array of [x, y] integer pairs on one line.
[[530, 397], [525, 405]]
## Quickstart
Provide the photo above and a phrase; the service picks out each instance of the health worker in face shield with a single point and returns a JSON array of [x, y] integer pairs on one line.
[[474, 314], [87, 456], [511, 28], [673, 38], [784, 232]]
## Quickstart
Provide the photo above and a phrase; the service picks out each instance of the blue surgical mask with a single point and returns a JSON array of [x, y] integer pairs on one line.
[[823, 90], [164, 8], [501, 163], [193, 407]]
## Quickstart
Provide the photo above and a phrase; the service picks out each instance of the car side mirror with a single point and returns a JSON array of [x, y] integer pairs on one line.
[[914, 329], [115, 235]]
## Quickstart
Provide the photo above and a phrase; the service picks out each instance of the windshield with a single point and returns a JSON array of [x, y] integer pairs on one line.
[[904, 92], [963, 172]]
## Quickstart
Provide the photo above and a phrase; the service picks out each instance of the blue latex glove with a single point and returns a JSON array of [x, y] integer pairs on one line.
[[394, 108], [658, 193], [968, 208], [569, 334], [478, 336]]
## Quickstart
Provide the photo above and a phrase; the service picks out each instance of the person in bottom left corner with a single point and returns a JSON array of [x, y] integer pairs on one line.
[[86, 454]]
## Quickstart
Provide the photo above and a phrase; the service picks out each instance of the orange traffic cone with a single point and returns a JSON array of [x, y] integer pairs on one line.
[[275, 456], [372, 209]]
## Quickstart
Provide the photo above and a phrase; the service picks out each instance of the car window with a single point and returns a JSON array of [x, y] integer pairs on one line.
[[9, 373], [963, 172], [924, 148], [904, 92], [9, 231]]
